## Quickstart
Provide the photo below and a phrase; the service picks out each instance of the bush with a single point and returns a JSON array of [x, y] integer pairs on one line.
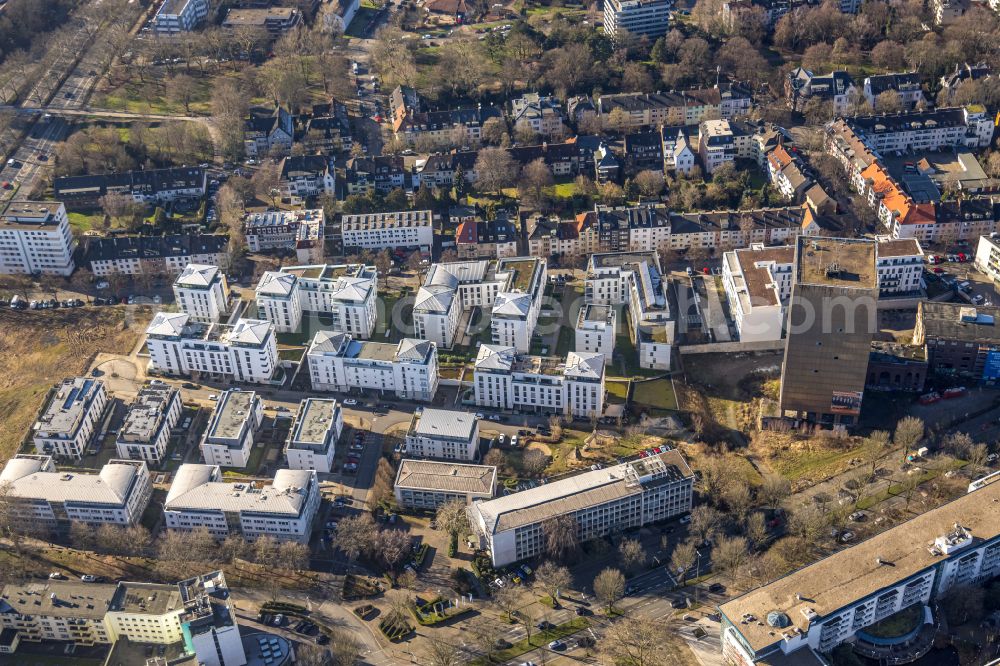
[[453, 546], [283, 607], [394, 631], [427, 615], [462, 582], [420, 554]]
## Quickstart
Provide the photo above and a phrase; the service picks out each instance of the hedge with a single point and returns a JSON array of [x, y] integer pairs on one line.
[[427, 616]]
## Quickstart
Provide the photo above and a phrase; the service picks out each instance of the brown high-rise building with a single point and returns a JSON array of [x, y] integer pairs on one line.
[[829, 325]]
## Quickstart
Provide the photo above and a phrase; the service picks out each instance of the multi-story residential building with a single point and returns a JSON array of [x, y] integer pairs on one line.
[[941, 128], [443, 169], [326, 129], [837, 87], [832, 317], [596, 327], [300, 230], [379, 231], [146, 430], [245, 351], [988, 256], [313, 438], [677, 153], [486, 239], [382, 174], [675, 108], [517, 304], [634, 279], [228, 440], [39, 495], [345, 294], [549, 236], [343, 13], [424, 485], [284, 509], [602, 502], [960, 339], [337, 362], [154, 255], [268, 132], [758, 283], [767, 12], [72, 418], [35, 239], [837, 599], [905, 84], [274, 20], [148, 186], [505, 380], [202, 292], [410, 121], [543, 114], [176, 16], [719, 144], [789, 174], [443, 433], [306, 176], [962, 73], [947, 12], [642, 18]]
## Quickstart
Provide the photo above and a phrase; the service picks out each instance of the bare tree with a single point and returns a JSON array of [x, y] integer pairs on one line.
[[355, 535], [638, 641], [756, 529], [649, 182], [909, 432], [393, 547], [609, 587], [442, 653], [182, 88], [561, 537], [730, 553], [507, 600], [683, 558], [496, 170], [535, 178], [633, 555], [486, 635], [774, 489], [977, 453], [704, 521], [267, 182], [552, 578], [534, 462], [452, 518]]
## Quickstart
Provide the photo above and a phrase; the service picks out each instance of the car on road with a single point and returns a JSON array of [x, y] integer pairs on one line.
[[678, 603], [55, 575], [480, 416], [847, 536], [357, 447], [350, 468], [213, 397], [350, 402], [557, 645], [499, 582], [331, 524], [341, 500], [583, 612], [88, 578], [42, 157], [685, 519]]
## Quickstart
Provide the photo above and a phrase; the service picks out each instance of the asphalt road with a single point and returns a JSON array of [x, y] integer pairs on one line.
[[32, 157]]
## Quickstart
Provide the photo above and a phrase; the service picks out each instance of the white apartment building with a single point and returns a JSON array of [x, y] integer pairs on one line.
[[634, 279], [602, 502], [337, 362], [505, 380], [758, 282], [146, 430], [154, 255], [346, 295], [197, 613], [447, 291], [42, 496], [443, 433], [677, 153], [35, 238], [245, 351], [199, 497], [228, 440], [176, 16], [542, 114], [596, 327], [314, 435], [516, 307], [202, 292], [378, 231], [835, 600], [71, 419], [649, 18], [300, 230], [916, 131], [988, 256], [426, 484], [719, 142]]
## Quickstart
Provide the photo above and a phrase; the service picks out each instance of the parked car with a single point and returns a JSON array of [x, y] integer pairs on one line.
[[88, 578], [350, 402]]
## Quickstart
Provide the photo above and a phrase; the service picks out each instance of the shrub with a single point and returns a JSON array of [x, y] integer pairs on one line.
[[453, 546]]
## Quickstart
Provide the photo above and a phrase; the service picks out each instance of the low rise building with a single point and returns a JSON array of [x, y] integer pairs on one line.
[[146, 430], [35, 239], [246, 351], [960, 340], [486, 239], [41, 496], [148, 186], [839, 598], [228, 440], [154, 255], [176, 16], [505, 380], [71, 419], [409, 369], [268, 132], [904, 84], [672, 109], [275, 21], [837, 88], [443, 433], [345, 295], [312, 441], [896, 367], [202, 292], [947, 12], [542, 114], [300, 230], [602, 502], [596, 328], [306, 176], [412, 121], [380, 231], [284, 509], [424, 485]]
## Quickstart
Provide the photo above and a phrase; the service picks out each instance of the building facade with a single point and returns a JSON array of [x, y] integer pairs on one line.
[[145, 433], [202, 292], [424, 485], [35, 239], [301, 231], [176, 16], [379, 231], [312, 441], [72, 419], [596, 328], [442, 433], [345, 295], [228, 440]]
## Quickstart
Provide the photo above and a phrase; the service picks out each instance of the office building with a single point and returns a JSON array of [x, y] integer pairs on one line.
[[41, 496], [313, 438], [202, 292], [284, 509], [228, 440], [409, 370], [345, 295], [602, 502], [35, 239], [72, 419], [424, 485], [831, 318], [960, 340], [176, 16], [838, 599], [641, 18], [245, 351], [380, 231], [146, 430], [301, 231], [505, 380], [596, 327], [443, 433]]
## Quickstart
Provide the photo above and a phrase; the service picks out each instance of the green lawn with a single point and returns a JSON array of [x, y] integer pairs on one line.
[[361, 20], [564, 190], [656, 393], [567, 341], [617, 392], [538, 639], [81, 222]]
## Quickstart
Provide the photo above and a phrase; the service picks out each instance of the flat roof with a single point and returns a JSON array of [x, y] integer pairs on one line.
[[444, 423], [59, 598], [70, 403], [837, 262], [596, 313], [31, 215], [316, 418], [151, 598], [234, 409], [446, 477], [33, 477], [852, 574], [958, 321], [147, 413], [524, 270]]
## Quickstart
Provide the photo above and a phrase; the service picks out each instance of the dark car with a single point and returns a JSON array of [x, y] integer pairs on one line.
[[583, 612], [717, 588], [678, 603], [190, 386]]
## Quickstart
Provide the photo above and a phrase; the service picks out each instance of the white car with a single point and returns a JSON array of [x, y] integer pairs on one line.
[[685, 520], [213, 397], [87, 578], [498, 582], [350, 402], [501, 439]]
